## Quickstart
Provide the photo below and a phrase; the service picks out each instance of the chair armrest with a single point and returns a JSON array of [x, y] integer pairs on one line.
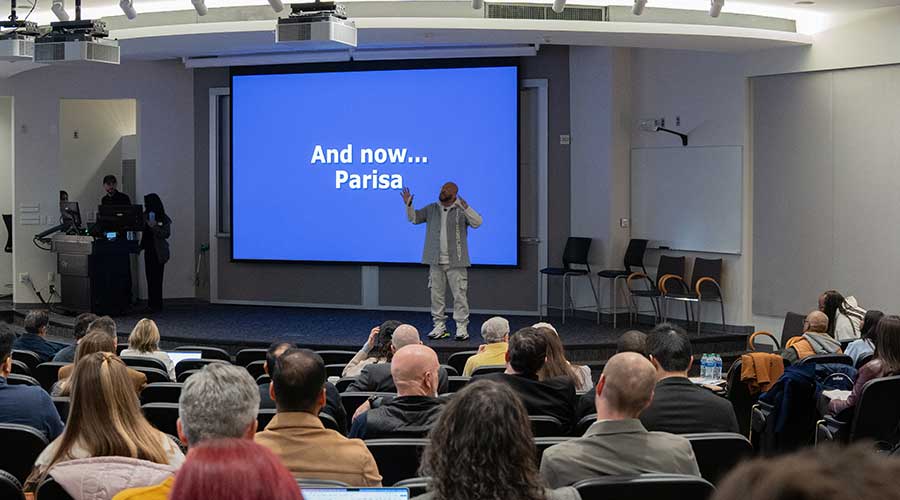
[[750, 340], [637, 275], [665, 278], [707, 279]]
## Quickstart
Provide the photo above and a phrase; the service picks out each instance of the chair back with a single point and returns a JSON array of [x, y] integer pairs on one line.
[[62, 404], [397, 459], [458, 359], [263, 379], [15, 379], [51, 490], [193, 364], [821, 359], [450, 371], [30, 358], [183, 376], [163, 416], [352, 400], [154, 375], [456, 384], [48, 373], [20, 368], [121, 346], [582, 426], [145, 362], [487, 370], [706, 268], [207, 352], [161, 392], [246, 356], [343, 383], [10, 487], [330, 423], [655, 486], [546, 426], [335, 370], [264, 416], [320, 483], [878, 412], [718, 453], [576, 252], [542, 443], [256, 368], [634, 254], [417, 486], [865, 358], [27, 444], [669, 265], [739, 394], [754, 346], [793, 326], [336, 357]]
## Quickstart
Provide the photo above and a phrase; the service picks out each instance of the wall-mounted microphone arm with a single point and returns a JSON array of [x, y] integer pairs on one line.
[[684, 137]]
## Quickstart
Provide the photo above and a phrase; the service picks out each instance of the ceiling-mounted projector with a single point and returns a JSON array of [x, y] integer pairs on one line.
[[17, 44], [318, 25], [73, 41]]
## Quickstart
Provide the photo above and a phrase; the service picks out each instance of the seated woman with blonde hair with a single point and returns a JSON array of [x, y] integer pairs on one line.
[[94, 342], [144, 343]]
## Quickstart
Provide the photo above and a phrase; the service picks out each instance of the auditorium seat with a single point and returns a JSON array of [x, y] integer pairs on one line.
[[451, 371], [397, 459], [20, 368], [865, 358], [342, 384], [416, 486], [183, 376], [320, 483], [352, 400], [263, 379], [330, 423], [874, 417], [256, 368], [655, 486], [207, 352], [10, 487], [62, 406], [193, 364], [542, 443], [738, 392], [335, 370], [163, 416], [121, 346], [718, 453], [161, 392], [28, 357], [821, 359], [546, 426], [336, 357], [582, 426], [458, 359], [51, 490], [48, 373], [27, 444], [135, 361], [246, 356], [14, 379], [264, 417], [154, 375], [488, 369], [455, 383]]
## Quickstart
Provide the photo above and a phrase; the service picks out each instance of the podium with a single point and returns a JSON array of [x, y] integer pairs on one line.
[[95, 274]]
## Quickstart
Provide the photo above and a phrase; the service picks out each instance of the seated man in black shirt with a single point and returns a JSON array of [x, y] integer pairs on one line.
[[554, 397], [679, 406], [113, 196], [416, 407], [36, 323]]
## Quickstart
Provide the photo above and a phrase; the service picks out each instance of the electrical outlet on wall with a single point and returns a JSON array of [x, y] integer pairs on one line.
[[51, 277], [624, 222], [24, 278]]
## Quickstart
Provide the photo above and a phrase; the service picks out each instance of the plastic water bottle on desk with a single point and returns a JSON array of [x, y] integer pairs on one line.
[[704, 366], [717, 374]]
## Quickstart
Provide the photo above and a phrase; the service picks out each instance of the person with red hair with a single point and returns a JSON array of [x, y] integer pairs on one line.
[[233, 469]]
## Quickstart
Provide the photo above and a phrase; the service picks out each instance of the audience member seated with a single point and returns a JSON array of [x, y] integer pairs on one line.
[[865, 345], [105, 324], [632, 341], [377, 349], [67, 354], [105, 422], [333, 406], [495, 332], [296, 434], [617, 444], [679, 406], [553, 397], [557, 365], [233, 469], [820, 473], [413, 412], [377, 377], [814, 341], [885, 363], [144, 343], [220, 401], [481, 447], [845, 317], [22, 404], [36, 323], [94, 341]]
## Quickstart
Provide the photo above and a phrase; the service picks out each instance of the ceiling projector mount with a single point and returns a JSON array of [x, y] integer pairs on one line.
[[75, 40], [17, 37], [317, 25]]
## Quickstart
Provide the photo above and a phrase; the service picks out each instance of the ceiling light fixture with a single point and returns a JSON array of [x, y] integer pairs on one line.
[[715, 7], [59, 10], [127, 7], [200, 7], [638, 8], [559, 6], [477, 4], [277, 5]]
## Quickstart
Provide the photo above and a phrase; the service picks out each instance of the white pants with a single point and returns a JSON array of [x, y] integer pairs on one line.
[[458, 277]]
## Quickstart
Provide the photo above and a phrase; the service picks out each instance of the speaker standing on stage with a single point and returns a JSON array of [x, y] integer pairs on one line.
[[447, 253], [157, 228], [113, 196]]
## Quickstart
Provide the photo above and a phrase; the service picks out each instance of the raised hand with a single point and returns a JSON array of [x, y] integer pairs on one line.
[[372, 335], [407, 196], [462, 202]]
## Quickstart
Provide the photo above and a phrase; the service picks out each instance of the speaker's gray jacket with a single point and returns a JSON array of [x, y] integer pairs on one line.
[[458, 223]]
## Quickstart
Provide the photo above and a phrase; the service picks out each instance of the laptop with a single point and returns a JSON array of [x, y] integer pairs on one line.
[[178, 356], [355, 494]]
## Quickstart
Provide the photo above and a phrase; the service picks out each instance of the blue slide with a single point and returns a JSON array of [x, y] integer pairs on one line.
[[319, 159]]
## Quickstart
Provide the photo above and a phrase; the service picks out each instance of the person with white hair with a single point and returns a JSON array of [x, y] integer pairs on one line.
[[495, 332]]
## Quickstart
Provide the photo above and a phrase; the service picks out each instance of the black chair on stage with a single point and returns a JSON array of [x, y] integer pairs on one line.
[[458, 359], [668, 265], [193, 364], [546, 426], [10, 487], [31, 359], [264, 416], [163, 416], [634, 257], [207, 352], [161, 392], [256, 368], [487, 370], [23, 445], [655, 486], [718, 453], [704, 287], [456, 384], [246, 356], [353, 400], [336, 357], [14, 379], [49, 489], [154, 375], [183, 376], [874, 417], [62, 404], [343, 383], [136, 361], [417, 486], [48, 373], [575, 253], [20, 368], [397, 459]]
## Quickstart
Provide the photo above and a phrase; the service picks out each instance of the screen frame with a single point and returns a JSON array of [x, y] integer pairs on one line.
[[357, 66]]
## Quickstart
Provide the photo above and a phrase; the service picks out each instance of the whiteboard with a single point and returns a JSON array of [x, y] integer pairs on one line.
[[688, 198]]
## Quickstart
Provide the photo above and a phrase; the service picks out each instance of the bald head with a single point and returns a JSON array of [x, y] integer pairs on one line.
[[816, 322], [404, 335], [448, 194], [415, 371], [625, 387]]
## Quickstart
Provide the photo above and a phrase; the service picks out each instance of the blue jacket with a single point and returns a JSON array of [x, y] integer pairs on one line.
[[31, 406], [38, 345]]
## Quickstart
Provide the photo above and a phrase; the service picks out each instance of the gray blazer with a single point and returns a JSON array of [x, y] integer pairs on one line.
[[458, 222], [617, 447], [557, 494]]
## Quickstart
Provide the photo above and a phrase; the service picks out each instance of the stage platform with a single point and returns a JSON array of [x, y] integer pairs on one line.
[[236, 327]]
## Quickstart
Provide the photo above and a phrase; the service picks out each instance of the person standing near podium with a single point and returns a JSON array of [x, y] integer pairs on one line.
[[157, 229], [113, 196]]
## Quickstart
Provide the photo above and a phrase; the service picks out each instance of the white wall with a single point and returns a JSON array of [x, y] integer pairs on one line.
[[165, 127], [100, 125], [6, 202]]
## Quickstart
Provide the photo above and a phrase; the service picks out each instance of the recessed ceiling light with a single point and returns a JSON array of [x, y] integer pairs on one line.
[[805, 2]]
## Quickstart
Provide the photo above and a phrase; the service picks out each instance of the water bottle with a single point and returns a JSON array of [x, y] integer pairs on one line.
[[718, 372], [704, 366]]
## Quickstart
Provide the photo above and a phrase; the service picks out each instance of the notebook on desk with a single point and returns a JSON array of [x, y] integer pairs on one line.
[[355, 494]]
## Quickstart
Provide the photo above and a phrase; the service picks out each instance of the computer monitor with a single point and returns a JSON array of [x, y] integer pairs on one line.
[[120, 218], [355, 494], [70, 214]]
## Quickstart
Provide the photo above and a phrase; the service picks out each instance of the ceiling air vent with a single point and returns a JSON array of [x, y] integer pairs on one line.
[[540, 12]]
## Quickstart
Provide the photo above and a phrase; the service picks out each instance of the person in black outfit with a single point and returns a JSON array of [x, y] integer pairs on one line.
[[157, 229], [377, 378], [554, 397], [113, 196], [679, 406]]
